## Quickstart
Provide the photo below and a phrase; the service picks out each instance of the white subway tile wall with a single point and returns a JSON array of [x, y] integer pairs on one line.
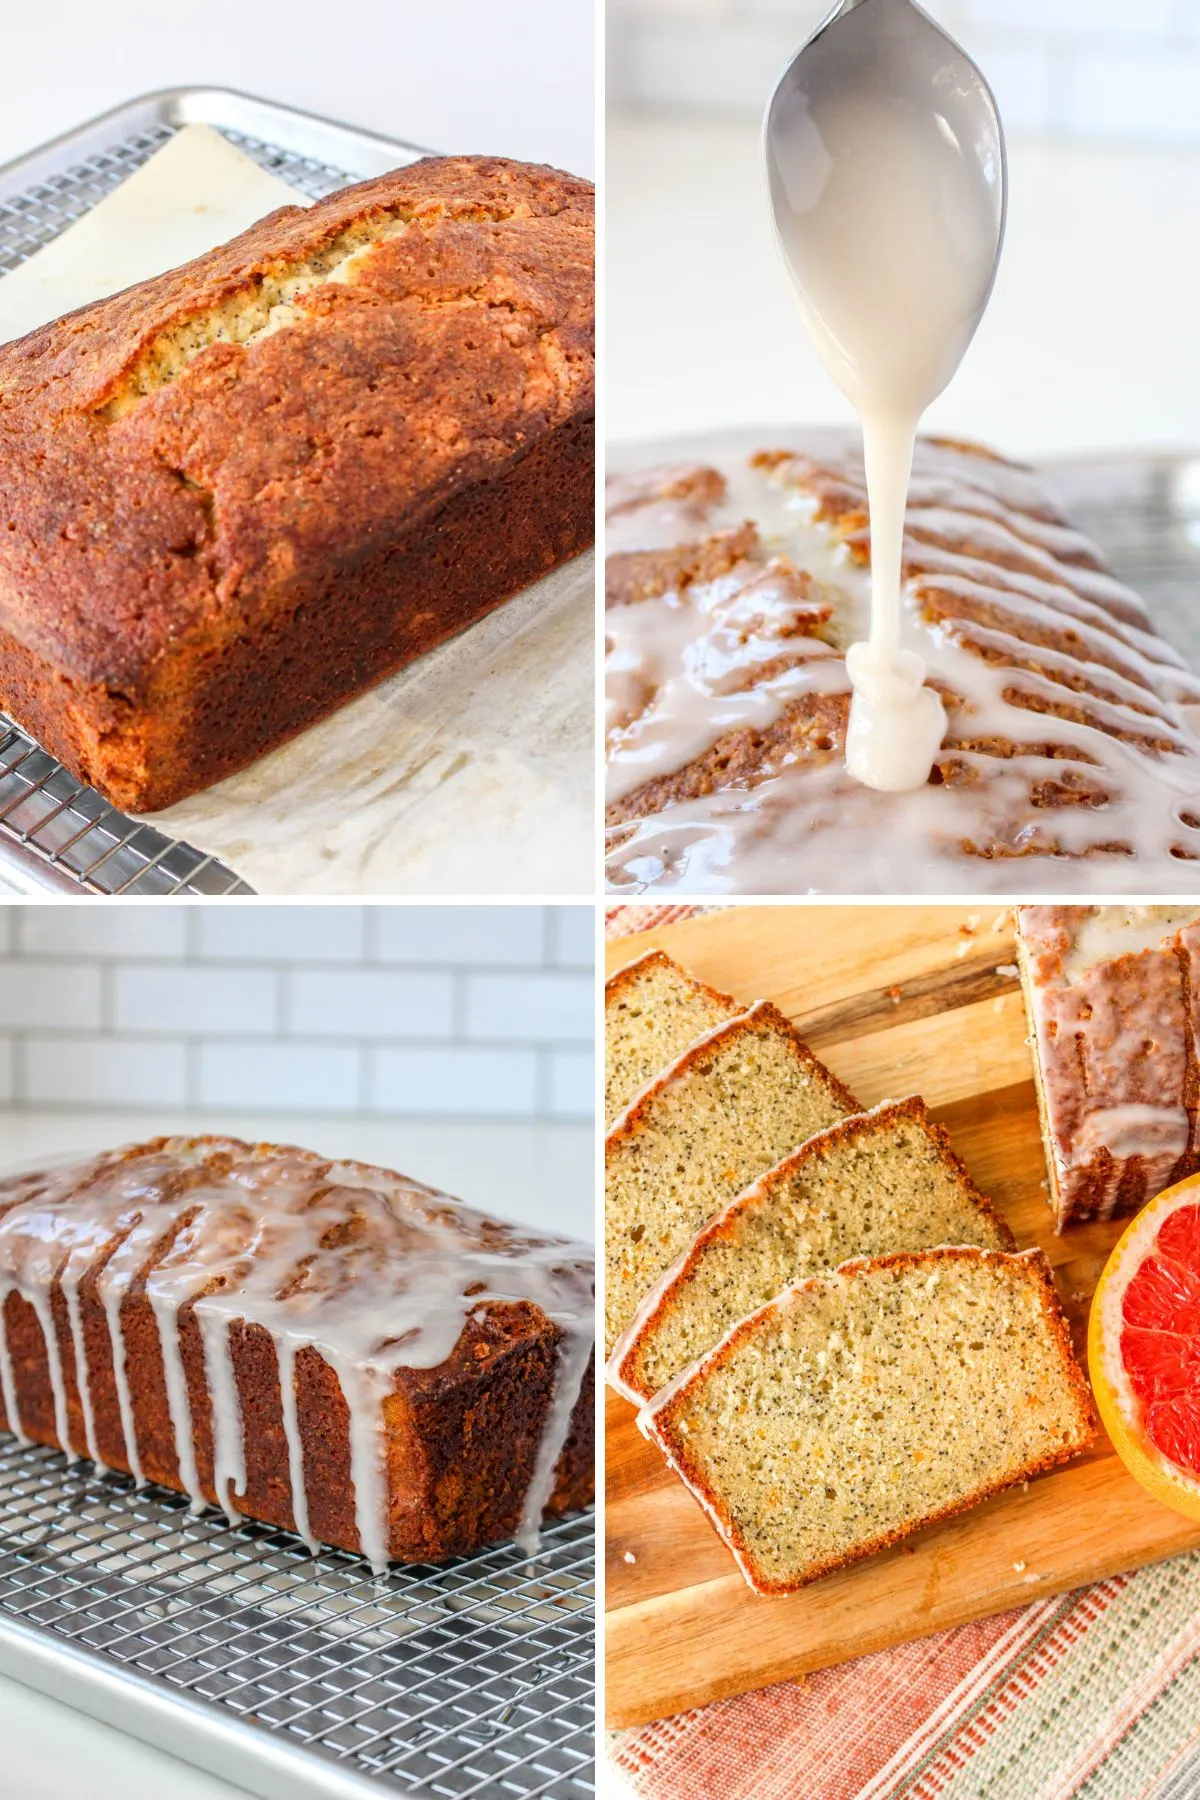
[[1112, 69], [477, 1012]]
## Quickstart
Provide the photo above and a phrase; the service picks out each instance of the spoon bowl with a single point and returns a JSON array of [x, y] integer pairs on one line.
[[886, 171]]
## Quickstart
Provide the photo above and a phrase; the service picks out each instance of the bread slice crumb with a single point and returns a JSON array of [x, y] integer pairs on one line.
[[866, 1403]]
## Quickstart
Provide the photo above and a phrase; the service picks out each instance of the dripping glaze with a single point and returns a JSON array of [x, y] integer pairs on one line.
[[256, 1235], [885, 171], [984, 535], [1112, 1021]]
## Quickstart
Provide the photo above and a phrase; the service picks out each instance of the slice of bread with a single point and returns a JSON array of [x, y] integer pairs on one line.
[[723, 1113], [875, 1183], [653, 1010], [871, 1400]]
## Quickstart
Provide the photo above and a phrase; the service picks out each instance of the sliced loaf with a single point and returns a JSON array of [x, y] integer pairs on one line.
[[727, 1110], [875, 1183], [653, 1010], [872, 1400]]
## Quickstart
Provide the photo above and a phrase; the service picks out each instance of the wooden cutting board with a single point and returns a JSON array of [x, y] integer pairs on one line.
[[897, 1000]]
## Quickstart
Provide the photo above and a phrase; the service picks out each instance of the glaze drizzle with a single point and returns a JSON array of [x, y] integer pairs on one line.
[[373, 1271]]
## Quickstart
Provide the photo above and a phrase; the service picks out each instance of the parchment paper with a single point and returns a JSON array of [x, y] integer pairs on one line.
[[471, 771]]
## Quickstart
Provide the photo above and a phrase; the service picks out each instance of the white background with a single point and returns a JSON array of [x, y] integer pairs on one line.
[[451, 75], [1090, 343], [1087, 69]]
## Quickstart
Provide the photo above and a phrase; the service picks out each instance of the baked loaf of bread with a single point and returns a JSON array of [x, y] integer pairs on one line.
[[653, 1010], [727, 1110], [874, 1184], [865, 1403], [738, 576], [1113, 997], [234, 496], [327, 1347]]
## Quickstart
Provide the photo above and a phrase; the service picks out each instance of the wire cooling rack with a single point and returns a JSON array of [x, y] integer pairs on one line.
[[54, 833], [297, 1675]]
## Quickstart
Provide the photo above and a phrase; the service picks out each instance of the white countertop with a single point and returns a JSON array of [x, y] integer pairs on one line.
[[1090, 341], [540, 1174]]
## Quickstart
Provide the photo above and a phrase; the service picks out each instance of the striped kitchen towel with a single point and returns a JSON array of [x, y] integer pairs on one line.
[[1093, 1694]]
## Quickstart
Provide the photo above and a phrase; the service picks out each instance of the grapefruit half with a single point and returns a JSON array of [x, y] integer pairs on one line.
[[1144, 1347]]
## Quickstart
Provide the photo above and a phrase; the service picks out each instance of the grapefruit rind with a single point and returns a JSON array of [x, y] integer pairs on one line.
[[1118, 1407]]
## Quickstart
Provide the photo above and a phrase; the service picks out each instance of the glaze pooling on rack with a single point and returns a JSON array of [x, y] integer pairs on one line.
[[372, 1271], [1070, 759]]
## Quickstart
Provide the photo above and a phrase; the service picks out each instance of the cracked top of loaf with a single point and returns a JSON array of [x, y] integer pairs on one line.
[[737, 576], [170, 455]]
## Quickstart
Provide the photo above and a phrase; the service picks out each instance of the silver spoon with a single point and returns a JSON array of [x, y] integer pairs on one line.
[[885, 165], [888, 57]]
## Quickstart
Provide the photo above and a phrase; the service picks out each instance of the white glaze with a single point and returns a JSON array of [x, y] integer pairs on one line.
[[809, 828], [258, 1235], [574, 1353], [1133, 1128], [291, 1426], [1110, 1046], [1107, 932], [887, 200], [75, 1317]]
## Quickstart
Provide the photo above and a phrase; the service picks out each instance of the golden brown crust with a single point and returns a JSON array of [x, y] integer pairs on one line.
[[686, 1466], [634, 575], [811, 729], [461, 1438], [626, 976], [692, 1007], [692, 489], [187, 581]]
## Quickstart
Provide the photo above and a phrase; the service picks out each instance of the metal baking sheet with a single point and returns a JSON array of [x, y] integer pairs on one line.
[[292, 1675], [55, 835]]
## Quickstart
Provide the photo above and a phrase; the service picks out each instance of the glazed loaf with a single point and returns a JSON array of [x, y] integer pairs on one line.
[[737, 576], [236, 495], [1113, 998], [326, 1347]]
